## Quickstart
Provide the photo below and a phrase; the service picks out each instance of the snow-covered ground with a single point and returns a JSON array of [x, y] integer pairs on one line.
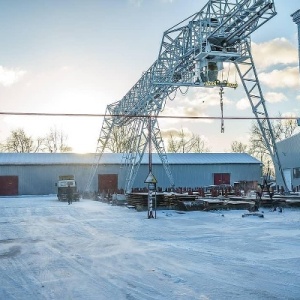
[[91, 250]]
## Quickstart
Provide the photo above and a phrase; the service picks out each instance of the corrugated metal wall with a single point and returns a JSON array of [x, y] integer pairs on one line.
[[199, 175], [41, 179], [289, 153]]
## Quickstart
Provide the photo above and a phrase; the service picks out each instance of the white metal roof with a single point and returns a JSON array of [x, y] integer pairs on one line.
[[211, 158], [116, 158], [292, 140]]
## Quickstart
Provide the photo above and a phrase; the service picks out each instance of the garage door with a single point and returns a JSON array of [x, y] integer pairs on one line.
[[8, 185], [221, 178], [108, 183]]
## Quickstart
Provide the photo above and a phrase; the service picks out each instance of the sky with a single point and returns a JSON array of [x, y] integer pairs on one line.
[[94, 251], [79, 56]]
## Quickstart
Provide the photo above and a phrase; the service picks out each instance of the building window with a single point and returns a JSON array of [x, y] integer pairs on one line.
[[296, 172]]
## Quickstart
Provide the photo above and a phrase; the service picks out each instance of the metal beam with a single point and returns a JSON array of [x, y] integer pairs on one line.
[[192, 54]]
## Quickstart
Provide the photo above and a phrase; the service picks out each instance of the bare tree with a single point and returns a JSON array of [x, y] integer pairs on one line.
[[179, 143], [282, 129], [238, 147], [20, 142], [172, 144], [182, 143], [198, 145], [286, 128], [56, 141], [119, 139]]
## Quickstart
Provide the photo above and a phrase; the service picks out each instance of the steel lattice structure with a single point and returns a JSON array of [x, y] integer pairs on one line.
[[296, 19], [192, 54]]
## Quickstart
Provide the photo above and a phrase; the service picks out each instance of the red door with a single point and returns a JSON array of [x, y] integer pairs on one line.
[[9, 185], [221, 178], [108, 183]]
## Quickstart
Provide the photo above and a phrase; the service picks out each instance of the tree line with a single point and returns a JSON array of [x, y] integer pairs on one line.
[[258, 147], [19, 141], [55, 141]]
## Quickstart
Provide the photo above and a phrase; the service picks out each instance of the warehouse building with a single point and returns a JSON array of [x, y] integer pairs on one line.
[[37, 173], [289, 154]]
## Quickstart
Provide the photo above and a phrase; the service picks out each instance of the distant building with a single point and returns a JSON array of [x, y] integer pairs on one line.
[[37, 173], [296, 19], [289, 154]]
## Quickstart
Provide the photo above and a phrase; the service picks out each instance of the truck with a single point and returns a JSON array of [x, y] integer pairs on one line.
[[65, 181]]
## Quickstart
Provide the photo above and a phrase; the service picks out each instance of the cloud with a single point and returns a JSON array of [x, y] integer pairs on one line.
[[182, 111], [275, 52], [273, 97], [194, 104], [243, 104], [10, 76], [270, 97], [199, 102], [288, 77]]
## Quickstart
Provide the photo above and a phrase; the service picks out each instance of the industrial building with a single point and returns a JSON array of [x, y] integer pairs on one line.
[[289, 153], [37, 173]]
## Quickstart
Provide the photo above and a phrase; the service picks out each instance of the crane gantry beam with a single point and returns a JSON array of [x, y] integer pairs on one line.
[[192, 54]]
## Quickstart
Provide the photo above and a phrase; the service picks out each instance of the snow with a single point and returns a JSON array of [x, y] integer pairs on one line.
[[92, 250]]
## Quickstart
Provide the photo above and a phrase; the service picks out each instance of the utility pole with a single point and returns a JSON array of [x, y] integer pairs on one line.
[[151, 180], [296, 19]]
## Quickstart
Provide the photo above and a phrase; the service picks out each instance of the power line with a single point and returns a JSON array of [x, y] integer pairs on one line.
[[142, 116]]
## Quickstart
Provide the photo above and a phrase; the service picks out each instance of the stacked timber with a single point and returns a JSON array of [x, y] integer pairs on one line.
[[219, 203], [175, 200], [137, 200], [163, 200], [188, 202], [276, 201], [140, 200]]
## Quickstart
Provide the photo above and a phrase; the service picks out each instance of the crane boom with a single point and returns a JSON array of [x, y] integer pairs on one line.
[[192, 54]]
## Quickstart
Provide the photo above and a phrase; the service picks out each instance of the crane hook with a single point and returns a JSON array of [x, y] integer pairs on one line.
[[221, 105]]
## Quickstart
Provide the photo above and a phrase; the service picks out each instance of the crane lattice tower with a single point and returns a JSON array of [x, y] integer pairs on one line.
[[296, 19], [192, 54]]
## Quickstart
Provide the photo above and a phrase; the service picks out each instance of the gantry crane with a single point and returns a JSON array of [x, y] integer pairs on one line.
[[192, 54]]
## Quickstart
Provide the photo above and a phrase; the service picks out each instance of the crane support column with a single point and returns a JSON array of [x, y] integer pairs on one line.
[[249, 78], [296, 19]]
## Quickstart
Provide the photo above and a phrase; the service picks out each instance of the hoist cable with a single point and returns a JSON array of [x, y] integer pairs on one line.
[[171, 99], [184, 93], [222, 113]]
